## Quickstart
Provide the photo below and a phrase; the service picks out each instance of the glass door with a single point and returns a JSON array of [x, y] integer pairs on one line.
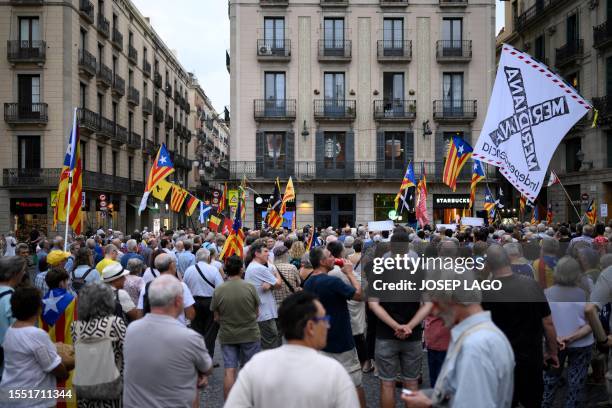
[[333, 31], [274, 35], [393, 37], [452, 29], [453, 94], [334, 94], [275, 94], [29, 96], [393, 93]]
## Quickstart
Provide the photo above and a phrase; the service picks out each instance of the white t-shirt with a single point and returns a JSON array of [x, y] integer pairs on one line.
[[127, 304], [11, 243], [293, 373], [149, 275], [188, 300], [29, 358]]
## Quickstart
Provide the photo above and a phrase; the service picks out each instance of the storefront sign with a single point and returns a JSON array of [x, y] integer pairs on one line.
[[451, 200], [29, 205]]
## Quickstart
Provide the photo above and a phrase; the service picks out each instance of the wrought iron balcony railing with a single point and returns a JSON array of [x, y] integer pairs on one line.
[[394, 50], [393, 3], [394, 110], [534, 13], [87, 63], [117, 38], [146, 68], [133, 97], [169, 122], [335, 109], [273, 3], [24, 113], [118, 85], [147, 106], [134, 140], [157, 80], [26, 51], [274, 49], [132, 54], [104, 76], [569, 53], [120, 136], [149, 148], [334, 3], [602, 35], [26, 2], [453, 3], [168, 90], [454, 110], [334, 50], [86, 9], [454, 50], [89, 121], [106, 127], [158, 114], [274, 109], [103, 25]]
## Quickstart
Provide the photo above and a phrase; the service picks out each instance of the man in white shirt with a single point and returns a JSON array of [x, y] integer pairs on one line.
[[166, 265], [114, 275], [295, 371], [202, 279]]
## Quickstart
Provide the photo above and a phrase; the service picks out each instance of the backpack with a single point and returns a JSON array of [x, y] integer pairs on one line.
[[78, 283], [146, 306], [119, 309], [96, 375]]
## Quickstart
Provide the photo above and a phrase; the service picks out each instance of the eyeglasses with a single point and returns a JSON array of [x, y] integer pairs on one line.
[[326, 319]]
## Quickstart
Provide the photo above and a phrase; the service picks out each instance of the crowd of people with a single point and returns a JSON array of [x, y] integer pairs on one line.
[[133, 320]]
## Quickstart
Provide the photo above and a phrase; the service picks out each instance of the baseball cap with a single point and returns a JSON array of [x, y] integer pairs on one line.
[[113, 272], [56, 257]]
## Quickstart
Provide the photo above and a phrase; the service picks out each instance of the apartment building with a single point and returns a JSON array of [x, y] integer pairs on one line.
[[212, 147], [342, 94], [105, 58], [574, 38]]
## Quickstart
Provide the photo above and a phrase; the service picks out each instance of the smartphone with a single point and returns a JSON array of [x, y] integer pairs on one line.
[[339, 262], [406, 391]]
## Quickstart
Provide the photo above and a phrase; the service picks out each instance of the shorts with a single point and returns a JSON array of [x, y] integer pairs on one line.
[[350, 362], [232, 353], [401, 357]]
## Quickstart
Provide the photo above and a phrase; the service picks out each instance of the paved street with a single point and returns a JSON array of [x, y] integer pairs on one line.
[[212, 396]]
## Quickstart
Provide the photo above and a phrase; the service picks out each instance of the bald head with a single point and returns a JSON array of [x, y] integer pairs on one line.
[[497, 258]]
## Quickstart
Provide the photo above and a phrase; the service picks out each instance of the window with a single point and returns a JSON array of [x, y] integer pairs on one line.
[[609, 75], [334, 94], [84, 155], [334, 148], [156, 136], [130, 78], [131, 38], [29, 96], [540, 51], [572, 147], [114, 65], [573, 80], [100, 53], [383, 204], [144, 170], [145, 130], [130, 167], [29, 152], [29, 31], [452, 87], [101, 104], [130, 122], [275, 150], [145, 89], [452, 29], [115, 22], [274, 93], [333, 31], [82, 95], [100, 159], [395, 150], [274, 33], [83, 38], [393, 86], [393, 36], [115, 112], [572, 33], [115, 163]]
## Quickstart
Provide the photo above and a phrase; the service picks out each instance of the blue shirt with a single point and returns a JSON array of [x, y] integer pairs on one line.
[[483, 359], [6, 315], [333, 294], [130, 255]]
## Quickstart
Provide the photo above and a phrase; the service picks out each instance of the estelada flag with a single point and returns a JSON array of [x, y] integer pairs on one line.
[[591, 213], [223, 200], [160, 191], [192, 204], [213, 223], [71, 178], [459, 151], [177, 198]]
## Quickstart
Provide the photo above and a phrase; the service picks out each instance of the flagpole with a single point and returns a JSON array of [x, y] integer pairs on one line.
[[70, 181], [569, 199]]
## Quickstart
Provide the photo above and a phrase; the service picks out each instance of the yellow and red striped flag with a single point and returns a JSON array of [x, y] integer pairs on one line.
[[162, 167], [177, 198], [234, 244], [288, 196], [273, 218], [459, 152]]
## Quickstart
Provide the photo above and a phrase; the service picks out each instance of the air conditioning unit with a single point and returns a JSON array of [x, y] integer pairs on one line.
[[265, 50]]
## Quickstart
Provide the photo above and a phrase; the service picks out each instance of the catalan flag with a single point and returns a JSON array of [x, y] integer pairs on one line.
[[421, 206], [177, 198], [192, 204], [162, 168], [489, 202], [591, 213], [223, 200], [70, 188], [288, 196], [234, 244], [459, 151], [522, 204], [273, 218], [477, 176], [407, 182], [549, 214], [535, 218], [312, 240]]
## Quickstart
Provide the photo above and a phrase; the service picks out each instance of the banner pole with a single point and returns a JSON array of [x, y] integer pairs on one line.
[[570, 200], [74, 148]]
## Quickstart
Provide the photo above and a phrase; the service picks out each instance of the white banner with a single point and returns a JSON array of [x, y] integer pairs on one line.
[[472, 221], [379, 226], [530, 111]]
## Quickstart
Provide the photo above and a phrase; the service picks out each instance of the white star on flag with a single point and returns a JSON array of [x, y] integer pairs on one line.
[[460, 150], [488, 197], [162, 160], [51, 303]]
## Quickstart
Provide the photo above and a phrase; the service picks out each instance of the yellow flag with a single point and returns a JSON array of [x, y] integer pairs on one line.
[[160, 191], [288, 196]]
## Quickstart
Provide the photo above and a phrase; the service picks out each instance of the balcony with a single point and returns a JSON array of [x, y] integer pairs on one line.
[[157, 80], [120, 135], [26, 2], [394, 50], [394, 110], [187, 107], [132, 54], [536, 13], [118, 86], [103, 25], [26, 113], [117, 39], [274, 50], [181, 162], [169, 122], [158, 115], [168, 90], [453, 3], [105, 76], [569, 53], [133, 97], [86, 9], [147, 106], [149, 148], [89, 121], [604, 106], [274, 109], [26, 52], [393, 3], [177, 95], [87, 63], [335, 109], [454, 111], [335, 50], [454, 50], [334, 3], [602, 35], [146, 68], [273, 3], [134, 141], [106, 128]]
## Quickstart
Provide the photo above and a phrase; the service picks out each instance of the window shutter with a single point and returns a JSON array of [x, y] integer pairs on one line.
[[319, 153], [259, 153], [290, 148], [440, 154], [380, 154], [409, 143], [466, 171], [350, 154]]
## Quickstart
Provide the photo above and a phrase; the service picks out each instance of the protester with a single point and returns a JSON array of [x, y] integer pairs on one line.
[[544, 266], [296, 252], [83, 271], [295, 371], [236, 305], [12, 271], [111, 254], [134, 281], [132, 252], [185, 258], [114, 275], [288, 273], [164, 361], [10, 244], [202, 279], [97, 320]]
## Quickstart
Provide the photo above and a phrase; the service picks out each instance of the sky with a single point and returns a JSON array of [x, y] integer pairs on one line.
[[198, 30]]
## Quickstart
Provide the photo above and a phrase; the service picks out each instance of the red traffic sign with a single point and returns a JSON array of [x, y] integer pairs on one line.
[[102, 197], [215, 193], [584, 196], [102, 204]]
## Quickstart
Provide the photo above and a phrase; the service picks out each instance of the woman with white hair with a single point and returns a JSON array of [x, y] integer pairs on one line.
[[567, 302]]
